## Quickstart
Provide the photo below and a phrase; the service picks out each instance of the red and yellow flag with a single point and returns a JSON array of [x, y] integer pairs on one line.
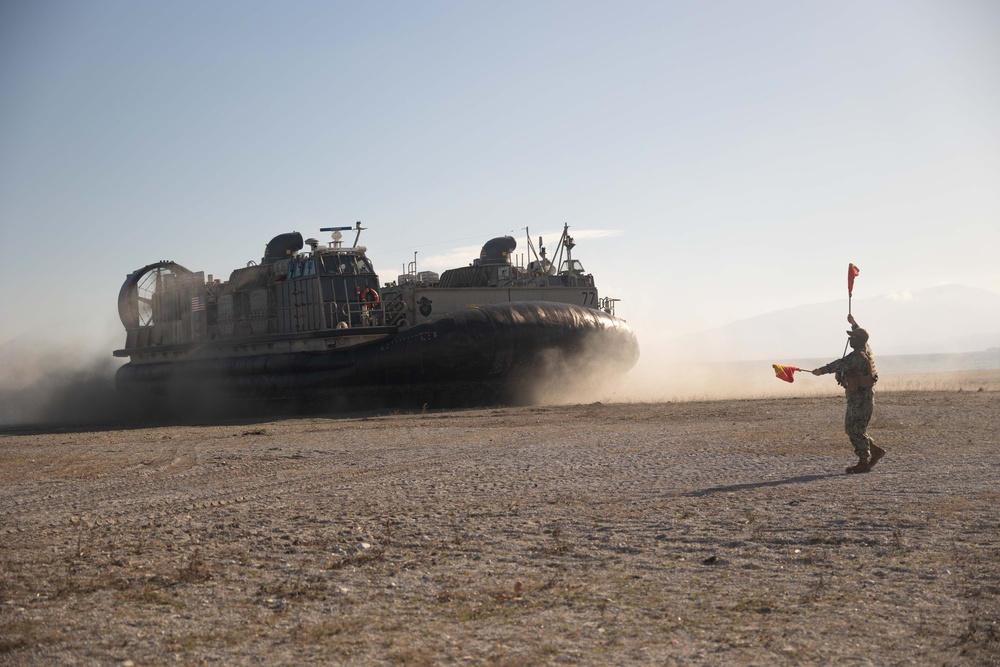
[[786, 373], [852, 273]]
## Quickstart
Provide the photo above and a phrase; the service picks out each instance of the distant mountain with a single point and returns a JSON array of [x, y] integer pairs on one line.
[[948, 318]]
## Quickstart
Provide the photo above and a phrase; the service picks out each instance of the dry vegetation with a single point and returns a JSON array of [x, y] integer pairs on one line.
[[700, 533]]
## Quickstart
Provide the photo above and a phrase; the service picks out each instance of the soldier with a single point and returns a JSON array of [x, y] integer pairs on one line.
[[856, 373]]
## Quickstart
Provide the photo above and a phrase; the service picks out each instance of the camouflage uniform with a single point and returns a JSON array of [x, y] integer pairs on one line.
[[856, 373]]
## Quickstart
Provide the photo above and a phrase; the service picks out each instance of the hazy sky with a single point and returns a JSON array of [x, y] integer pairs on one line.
[[715, 160]]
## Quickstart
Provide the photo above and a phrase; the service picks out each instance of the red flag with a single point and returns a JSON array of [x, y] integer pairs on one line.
[[786, 373], [852, 273]]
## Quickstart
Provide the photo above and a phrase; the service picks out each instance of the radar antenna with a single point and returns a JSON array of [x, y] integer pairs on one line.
[[357, 227]]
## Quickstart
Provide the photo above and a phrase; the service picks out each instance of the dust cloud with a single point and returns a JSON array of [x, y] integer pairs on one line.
[[663, 376], [73, 384], [50, 384], [593, 374], [47, 385]]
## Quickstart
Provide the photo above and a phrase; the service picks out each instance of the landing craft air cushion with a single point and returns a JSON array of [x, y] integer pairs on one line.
[[315, 324]]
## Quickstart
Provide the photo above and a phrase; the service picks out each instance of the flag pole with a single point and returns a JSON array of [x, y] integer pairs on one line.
[[852, 272], [848, 313]]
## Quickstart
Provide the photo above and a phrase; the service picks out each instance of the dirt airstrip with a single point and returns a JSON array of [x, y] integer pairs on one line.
[[686, 533]]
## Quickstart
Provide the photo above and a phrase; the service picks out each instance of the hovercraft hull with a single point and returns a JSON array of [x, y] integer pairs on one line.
[[489, 354]]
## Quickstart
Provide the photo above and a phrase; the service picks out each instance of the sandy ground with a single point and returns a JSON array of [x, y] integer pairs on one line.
[[687, 533]]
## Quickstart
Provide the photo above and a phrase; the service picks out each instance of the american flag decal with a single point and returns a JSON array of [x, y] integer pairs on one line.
[[197, 304]]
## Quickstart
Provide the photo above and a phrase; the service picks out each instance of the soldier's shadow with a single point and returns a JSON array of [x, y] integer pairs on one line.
[[801, 479]]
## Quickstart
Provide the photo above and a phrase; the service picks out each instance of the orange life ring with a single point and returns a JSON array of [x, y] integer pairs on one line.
[[370, 302]]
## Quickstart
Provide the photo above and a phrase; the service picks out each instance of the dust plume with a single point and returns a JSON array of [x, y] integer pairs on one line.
[[52, 384], [593, 373], [671, 373], [588, 372], [46, 383], [663, 375]]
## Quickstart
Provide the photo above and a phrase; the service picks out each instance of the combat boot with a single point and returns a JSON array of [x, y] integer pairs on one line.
[[877, 453], [861, 466]]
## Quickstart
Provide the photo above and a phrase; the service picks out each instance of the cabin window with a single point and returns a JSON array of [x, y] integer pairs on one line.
[[334, 264], [330, 264], [345, 264]]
